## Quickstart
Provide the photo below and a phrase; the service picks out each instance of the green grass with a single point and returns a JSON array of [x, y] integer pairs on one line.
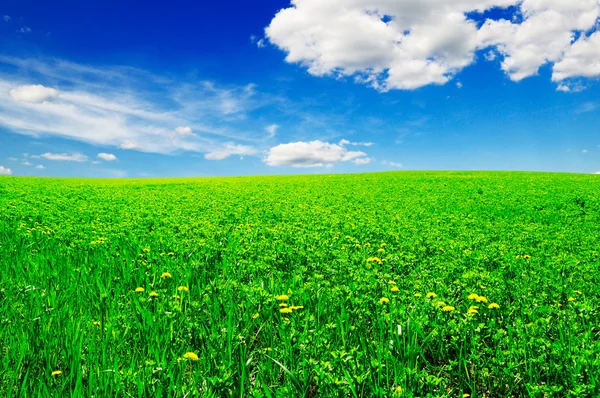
[[72, 253]]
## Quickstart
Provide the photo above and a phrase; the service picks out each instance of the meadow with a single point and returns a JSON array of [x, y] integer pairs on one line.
[[407, 284]]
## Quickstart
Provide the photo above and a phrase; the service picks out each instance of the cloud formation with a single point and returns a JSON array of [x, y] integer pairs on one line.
[[108, 157], [65, 157], [4, 171], [414, 43], [312, 154]]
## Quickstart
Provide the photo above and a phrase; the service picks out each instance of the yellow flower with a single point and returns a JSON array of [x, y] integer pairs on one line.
[[176, 296], [418, 294], [139, 289], [153, 294], [578, 292], [190, 355], [493, 305], [384, 300], [184, 288], [255, 316], [466, 395], [96, 323], [448, 308], [481, 299], [473, 296], [398, 390], [380, 250], [391, 282], [472, 310], [282, 297], [283, 305], [431, 295], [286, 310], [395, 289], [165, 275], [441, 303], [296, 307], [571, 299], [56, 373]]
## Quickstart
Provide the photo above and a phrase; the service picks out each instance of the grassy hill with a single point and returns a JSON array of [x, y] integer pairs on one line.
[[424, 284]]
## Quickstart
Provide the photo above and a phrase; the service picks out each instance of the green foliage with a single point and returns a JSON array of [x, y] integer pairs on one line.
[[73, 252]]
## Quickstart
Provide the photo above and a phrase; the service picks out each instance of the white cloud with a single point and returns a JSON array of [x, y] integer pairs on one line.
[[362, 161], [584, 151], [261, 43], [230, 149], [35, 93], [409, 44], [5, 171], [96, 162], [490, 55], [459, 85], [393, 164], [7, 18], [124, 107], [40, 167], [311, 154], [24, 29], [272, 130], [184, 130], [74, 157], [12, 159], [346, 142], [109, 157], [26, 163]]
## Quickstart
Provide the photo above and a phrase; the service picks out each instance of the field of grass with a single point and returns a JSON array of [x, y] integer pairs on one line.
[[412, 284]]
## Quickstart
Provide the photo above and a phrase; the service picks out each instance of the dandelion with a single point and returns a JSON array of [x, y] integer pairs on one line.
[[255, 316], [466, 395], [431, 295], [441, 303], [183, 288], [481, 299], [395, 289], [398, 390], [391, 283], [384, 300], [448, 308], [283, 305], [418, 294], [176, 296], [296, 307], [473, 296], [571, 299], [473, 310], [493, 305], [380, 250], [139, 289], [578, 292], [56, 373], [286, 310], [282, 297], [191, 356], [166, 275], [96, 323], [153, 294]]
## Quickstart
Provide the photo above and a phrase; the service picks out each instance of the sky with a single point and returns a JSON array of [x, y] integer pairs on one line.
[[187, 88]]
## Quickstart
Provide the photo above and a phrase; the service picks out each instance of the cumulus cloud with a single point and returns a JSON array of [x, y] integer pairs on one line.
[[410, 44], [35, 93], [109, 157], [184, 130], [65, 157], [230, 149], [312, 154], [5, 171], [40, 167], [26, 163]]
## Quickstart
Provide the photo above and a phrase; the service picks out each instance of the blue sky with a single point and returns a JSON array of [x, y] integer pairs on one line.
[[111, 89]]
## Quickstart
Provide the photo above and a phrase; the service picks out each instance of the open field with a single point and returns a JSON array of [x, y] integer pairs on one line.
[[412, 284]]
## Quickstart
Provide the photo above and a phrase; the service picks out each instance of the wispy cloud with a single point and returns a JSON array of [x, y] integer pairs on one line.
[[587, 107], [65, 157], [126, 107], [272, 130], [6, 18], [108, 157]]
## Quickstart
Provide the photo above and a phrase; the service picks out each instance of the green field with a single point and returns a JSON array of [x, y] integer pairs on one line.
[[389, 281]]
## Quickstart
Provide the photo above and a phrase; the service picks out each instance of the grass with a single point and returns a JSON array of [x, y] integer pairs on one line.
[[73, 252]]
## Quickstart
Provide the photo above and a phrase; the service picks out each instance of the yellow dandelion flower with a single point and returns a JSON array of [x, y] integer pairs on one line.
[[441, 303], [380, 250], [255, 316], [395, 289], [448, 308], [282, 297], [296, 307], [466, 395], [286, 310], [493, 305], [431, 295], [571, 299], [384, 300], [191, 356], [481, 299], [153, 294], [176, 296], [139, 289], [472, 310], [398, 390], [283, 305], [578, 292], [96, 323], [391, 283], [183, 288], [418, 294], [383, 244], [56, 373], [146, 250], [473, 296], [166, 275]]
